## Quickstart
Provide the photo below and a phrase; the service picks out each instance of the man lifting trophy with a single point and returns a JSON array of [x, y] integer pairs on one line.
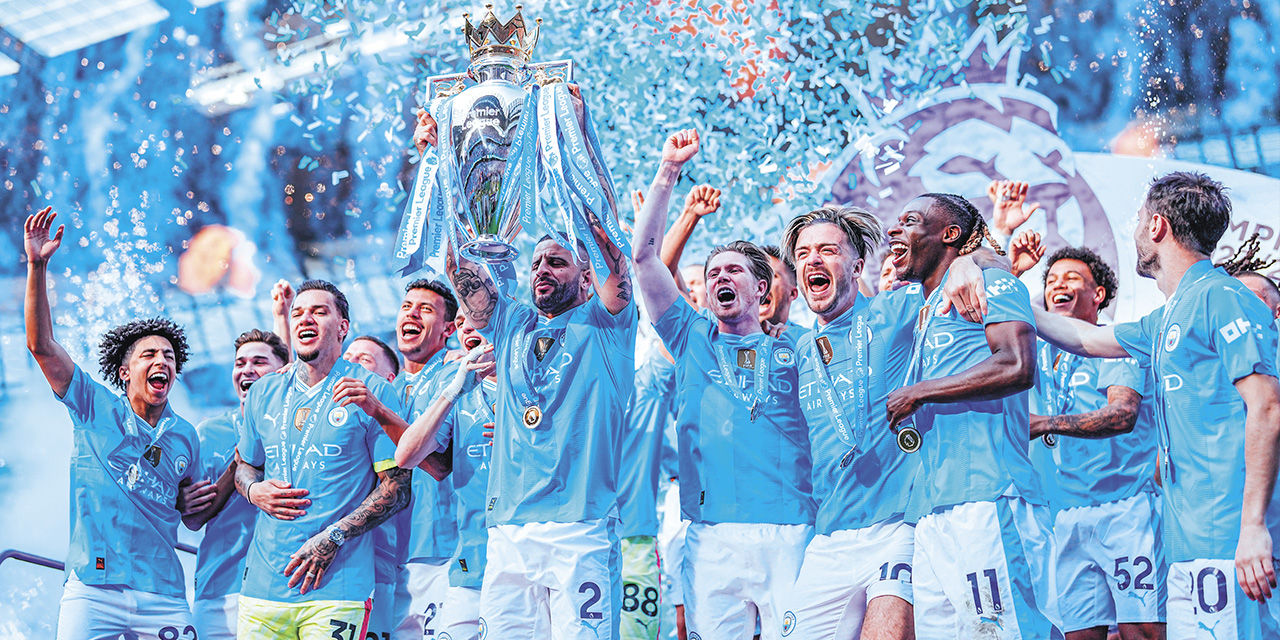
[[565, 364], [483, 180]]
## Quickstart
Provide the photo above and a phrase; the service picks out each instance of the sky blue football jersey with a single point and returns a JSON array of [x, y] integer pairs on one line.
[[860, 476], [642, 443], [124, 485], [576, 373], [465, 425], [220, 559], [427, 528], [734, 468], [302, 437], [1086, 472], [1212, 332], [973, 450]]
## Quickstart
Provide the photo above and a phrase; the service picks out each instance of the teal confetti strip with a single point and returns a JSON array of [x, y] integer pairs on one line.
[[35, 186]]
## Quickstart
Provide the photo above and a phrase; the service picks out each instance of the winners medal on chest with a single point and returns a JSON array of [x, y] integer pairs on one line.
[[523, 384]]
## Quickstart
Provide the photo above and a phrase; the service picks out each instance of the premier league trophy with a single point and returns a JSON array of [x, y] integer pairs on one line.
[[507, 130]]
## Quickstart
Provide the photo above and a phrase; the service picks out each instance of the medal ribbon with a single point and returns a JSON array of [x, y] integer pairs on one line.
[[522, 385], [761, 392], [860, 338], [131, 429], [288, 468]]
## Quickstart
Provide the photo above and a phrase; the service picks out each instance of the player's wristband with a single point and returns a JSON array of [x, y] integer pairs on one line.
[[248, 492]]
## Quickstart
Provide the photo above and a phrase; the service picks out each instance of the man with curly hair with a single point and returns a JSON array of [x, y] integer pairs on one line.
[[1096, 454], [130, 454]]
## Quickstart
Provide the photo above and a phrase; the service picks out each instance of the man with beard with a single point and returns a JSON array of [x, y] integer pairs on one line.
[[1213, 349], [301, 432], [426, 532], [129, 456], [744, 463], [461, 414], [1097, 461], [983, 542], [229, 519], [856, 577], [566, 372]]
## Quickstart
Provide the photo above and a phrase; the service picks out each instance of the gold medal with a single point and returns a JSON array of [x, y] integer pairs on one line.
[[532, 417], [909, 439]]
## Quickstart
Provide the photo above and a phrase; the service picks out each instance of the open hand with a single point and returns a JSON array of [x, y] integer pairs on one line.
[[1007, 198], [307, 565], [194, 497], [279, 499], [680, 146], [40, 247], [1025, 252], [1255, 566]]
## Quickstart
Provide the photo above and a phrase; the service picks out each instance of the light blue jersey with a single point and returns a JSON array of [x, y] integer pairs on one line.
[[734, 468], [302, 437], [563, 467], [1212, 333], [864, 352], [1087, 472], [428, 526], [220, 560], [642, 443], [124, 485], [975, 450], [465, 425]]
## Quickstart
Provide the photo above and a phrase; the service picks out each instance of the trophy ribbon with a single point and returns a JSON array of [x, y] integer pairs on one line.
[[423, 209], [548, 135], [520, 173], [583, 176]]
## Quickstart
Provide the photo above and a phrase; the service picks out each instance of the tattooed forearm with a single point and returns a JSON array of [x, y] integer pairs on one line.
[[246, 474], [389, 497], [476, 291], [1118, 417]]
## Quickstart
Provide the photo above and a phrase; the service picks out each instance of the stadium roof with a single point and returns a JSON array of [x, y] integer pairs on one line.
[[55, 27]]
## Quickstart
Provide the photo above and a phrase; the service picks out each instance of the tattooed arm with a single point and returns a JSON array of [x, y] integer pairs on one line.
[[1118, 417], [476, 290], [308, 564], [656, 285], [615, 292], [279, 499]]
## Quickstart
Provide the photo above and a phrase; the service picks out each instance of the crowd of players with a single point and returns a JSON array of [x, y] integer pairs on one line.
[[918, 464]]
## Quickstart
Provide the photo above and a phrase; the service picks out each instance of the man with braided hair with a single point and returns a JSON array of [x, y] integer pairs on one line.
[[129, 456], [1094, 444], [980, 565]]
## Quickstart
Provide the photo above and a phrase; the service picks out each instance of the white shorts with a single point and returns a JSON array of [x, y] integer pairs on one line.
[[841, 573], [984, 570], [215, 618], [734, 572], [1206, 602], [89, 612], [672, 552], [460, 615], [1110, 563], [418, 615], [552, 579]]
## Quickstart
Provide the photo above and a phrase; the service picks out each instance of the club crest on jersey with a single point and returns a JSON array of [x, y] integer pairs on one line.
[[180, 465], [747, 358], [693, 635], [825, 350], [1171, 338], [788, 624], [152, 455], [338, 416], [483, 628], [300, 417], [784, 357]]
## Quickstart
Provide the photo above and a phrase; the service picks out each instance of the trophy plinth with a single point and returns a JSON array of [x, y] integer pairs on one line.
[[489, 249]]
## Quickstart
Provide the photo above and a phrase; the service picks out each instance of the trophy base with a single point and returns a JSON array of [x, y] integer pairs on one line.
[[489, 250]]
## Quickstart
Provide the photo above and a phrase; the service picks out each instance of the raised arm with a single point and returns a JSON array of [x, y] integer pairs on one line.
[[1118, 417], [475, 288], [308, 564], [702, 200], [54, 361], [418, 443], [656, 282], [1254, 566], [1009, 369], [1077, 336], [281, 302], [614, 291]]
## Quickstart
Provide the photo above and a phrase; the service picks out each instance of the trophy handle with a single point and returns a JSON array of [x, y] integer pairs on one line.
[[539, 73]]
